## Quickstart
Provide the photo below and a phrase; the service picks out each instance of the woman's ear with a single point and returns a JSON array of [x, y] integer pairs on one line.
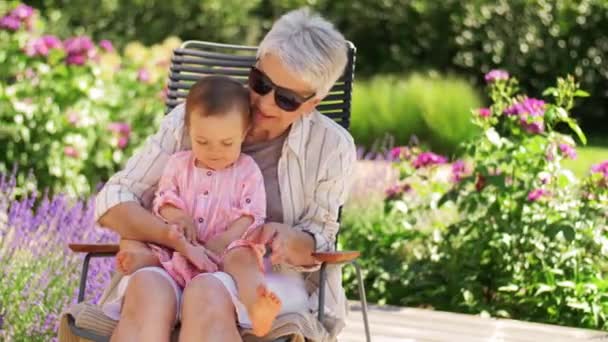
[[310, 105]]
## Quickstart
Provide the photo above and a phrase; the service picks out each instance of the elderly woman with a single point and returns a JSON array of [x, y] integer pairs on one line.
[[306, 160]]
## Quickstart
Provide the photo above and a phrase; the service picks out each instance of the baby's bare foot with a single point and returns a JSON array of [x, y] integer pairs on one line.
[[128, 262], [264, 310]]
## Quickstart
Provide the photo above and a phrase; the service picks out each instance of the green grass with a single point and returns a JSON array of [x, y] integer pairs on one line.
[[587, 156], [436, 109]]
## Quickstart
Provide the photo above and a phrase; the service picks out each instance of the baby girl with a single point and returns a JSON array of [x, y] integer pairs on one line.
[[213, 196]]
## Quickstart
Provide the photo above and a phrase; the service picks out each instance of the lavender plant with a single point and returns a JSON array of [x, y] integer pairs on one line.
[[39, 274]]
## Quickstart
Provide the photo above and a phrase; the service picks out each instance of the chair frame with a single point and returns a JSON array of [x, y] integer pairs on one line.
[[340, 111]]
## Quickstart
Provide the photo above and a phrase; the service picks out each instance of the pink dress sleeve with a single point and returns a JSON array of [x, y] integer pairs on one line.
[[168, 187], [252, 197]]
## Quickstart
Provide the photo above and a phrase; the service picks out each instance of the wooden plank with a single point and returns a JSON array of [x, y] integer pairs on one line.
[[390, 323]]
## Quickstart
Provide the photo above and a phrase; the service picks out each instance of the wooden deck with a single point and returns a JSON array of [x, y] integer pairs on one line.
[[395, 324]]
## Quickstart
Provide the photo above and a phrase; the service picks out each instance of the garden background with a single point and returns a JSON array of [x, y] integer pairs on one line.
[[505, 217]]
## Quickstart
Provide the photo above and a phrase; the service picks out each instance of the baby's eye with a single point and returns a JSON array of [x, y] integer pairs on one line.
[[202, 142], [227, 144]]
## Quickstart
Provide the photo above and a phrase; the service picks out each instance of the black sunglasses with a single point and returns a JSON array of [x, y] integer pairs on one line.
[[286, 99]]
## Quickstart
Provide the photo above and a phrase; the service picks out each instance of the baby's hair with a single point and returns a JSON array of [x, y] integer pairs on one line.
[[217, 95]]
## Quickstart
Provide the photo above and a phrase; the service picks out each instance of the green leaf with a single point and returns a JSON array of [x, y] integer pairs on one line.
[[544, 288], [566, 283], [509, 288], [550, 91], [574, 126], [581, 93]]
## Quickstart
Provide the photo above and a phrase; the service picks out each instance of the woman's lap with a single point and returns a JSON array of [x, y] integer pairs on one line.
[[289, 288]]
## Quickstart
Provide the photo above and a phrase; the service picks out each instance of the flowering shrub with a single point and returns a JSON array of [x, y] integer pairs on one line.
[[72, 109], [39, 274], [507, 230]]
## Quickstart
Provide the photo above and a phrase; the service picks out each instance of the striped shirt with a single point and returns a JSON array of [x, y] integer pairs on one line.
[[315, 171]]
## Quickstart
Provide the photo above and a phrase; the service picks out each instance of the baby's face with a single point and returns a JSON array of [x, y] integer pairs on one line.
[[216, 140]]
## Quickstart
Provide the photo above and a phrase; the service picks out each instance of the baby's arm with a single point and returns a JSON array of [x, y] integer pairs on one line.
[[235, 231], [180, 219]]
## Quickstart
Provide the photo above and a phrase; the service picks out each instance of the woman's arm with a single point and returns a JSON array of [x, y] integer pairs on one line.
[[119, 205]]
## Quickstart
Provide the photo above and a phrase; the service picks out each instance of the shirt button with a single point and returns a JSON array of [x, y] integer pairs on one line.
[[209, 173], [200, 220], [248, 201], [206, 193]]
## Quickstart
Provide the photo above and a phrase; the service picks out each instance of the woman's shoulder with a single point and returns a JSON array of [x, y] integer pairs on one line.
[[323, 127]]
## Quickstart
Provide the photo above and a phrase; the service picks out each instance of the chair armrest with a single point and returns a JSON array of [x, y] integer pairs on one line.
[[336, 257], [93, 248]]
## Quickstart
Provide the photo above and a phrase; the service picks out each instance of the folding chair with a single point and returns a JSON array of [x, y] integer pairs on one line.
[[190, 62]]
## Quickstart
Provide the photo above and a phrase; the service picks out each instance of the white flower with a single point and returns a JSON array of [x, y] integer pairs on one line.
[[493, 137]]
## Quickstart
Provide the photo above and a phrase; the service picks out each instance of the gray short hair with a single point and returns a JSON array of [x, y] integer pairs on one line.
[[309, 46]]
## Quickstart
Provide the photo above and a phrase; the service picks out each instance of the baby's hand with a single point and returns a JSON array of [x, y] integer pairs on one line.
[[186, 226]]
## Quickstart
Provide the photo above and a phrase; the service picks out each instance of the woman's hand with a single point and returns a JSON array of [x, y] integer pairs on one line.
[[288, 245]]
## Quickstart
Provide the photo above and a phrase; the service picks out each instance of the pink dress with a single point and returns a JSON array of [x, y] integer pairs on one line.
[[214, 199]]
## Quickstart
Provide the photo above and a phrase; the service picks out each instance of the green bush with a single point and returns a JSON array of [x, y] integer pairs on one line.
[[71, 111], [432, 108], [528, 239]]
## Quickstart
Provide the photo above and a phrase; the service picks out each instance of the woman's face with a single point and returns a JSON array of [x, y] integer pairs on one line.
[[270, 121]]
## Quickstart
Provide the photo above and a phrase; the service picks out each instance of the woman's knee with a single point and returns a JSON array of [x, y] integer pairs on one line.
[[150, 295], [206, 296]]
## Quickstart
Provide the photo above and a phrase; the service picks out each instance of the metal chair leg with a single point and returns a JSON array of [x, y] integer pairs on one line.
[[363, 301], [322, 277]]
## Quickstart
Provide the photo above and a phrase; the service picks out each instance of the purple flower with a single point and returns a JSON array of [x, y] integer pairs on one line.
[[459, 169], [121, 128], [106, 45], [22, 12], [534, 127], [528, 106], [42, 45], [601, 168], [496, 75], [79, 50], [8, 22], [427, 159], [78, 45], [397, 190], [399, 152], [484, 112], [536, 194], [567, 150], [143, 75]]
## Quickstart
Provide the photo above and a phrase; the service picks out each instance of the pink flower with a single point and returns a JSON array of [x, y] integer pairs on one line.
[[528, 106], [399, 152], [121, 128], [484, 112], [76, 59], [22, 12], [10, 23], [427, 159], [106, 45], [42, 45], [568, 150], [397, 190], [536, 194], [459, 169], [601, 168], [73, 118], [496, 75], [122, 143], [70, 151], [79, 50], [143, 75]]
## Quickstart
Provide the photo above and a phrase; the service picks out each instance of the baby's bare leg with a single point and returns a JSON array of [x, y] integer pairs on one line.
[[262, 304], [134, 255]]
